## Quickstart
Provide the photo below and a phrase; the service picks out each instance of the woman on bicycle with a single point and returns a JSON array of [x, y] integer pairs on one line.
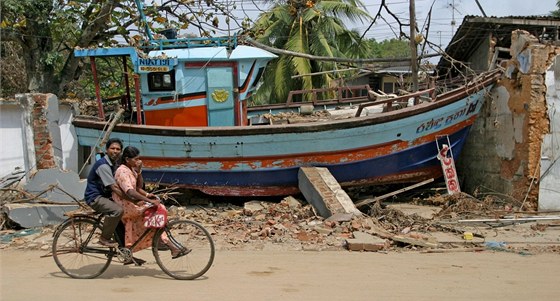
[[135, 200]]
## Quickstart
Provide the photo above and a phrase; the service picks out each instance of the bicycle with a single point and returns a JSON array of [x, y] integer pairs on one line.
[[77, 254]]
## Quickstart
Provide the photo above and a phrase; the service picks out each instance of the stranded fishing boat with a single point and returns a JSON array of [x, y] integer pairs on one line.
[[195, 129]]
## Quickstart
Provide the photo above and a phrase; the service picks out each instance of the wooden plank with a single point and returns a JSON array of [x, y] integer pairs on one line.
[[368, 201]]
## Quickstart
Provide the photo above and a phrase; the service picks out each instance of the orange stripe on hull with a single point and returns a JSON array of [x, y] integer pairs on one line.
[[191, 116], [303, 159]]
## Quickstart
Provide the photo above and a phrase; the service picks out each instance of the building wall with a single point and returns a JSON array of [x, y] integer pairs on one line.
[[69, 141], [13, 149], [549, 186], [36, 133], [503, 152]]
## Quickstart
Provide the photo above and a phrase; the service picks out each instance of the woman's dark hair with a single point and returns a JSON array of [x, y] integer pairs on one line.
[[113, 140], [129, 152]]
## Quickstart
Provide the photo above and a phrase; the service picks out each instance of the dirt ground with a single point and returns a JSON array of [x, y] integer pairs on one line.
[[459, 249], [298, 275]]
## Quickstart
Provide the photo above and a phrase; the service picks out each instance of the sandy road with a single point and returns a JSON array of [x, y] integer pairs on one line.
[[297, 275]]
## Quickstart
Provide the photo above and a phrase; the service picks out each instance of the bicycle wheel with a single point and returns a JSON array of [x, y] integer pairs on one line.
[[74, 249], [195, 243]]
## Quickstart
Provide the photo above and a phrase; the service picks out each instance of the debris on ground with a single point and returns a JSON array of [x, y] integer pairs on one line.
[[430, 223], [293, 225]]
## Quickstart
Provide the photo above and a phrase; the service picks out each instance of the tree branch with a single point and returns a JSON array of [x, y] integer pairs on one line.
[[331, 59]]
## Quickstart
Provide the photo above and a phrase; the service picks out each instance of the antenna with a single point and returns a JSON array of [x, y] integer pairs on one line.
[[453, 9]]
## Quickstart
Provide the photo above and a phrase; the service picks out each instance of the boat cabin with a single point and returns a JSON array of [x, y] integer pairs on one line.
[[182, 85]]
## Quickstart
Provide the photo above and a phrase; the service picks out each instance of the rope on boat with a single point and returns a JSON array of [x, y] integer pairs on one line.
[[108, 129]]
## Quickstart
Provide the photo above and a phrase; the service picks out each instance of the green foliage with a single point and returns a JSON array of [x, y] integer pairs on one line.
[[48, 31], [556, 13], [307, 27], [393, 48], [110, 73]]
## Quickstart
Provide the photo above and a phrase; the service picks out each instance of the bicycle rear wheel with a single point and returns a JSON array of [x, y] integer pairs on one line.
[[74, 249], [194, 241]]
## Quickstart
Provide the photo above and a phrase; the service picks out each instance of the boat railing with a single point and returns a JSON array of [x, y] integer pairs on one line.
[[347, 95], [343, 94], [396, 102]]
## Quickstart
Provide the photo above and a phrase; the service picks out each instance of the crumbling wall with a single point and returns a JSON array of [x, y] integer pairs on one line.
[[43, 120], [502, 154], [36, 134]]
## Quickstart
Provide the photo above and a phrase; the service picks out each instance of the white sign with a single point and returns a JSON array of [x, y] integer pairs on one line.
[[449, 171]]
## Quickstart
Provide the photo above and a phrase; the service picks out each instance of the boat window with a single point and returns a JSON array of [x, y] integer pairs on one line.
[[161, 81]]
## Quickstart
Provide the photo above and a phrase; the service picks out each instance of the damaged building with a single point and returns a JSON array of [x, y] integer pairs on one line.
[[513, 146]]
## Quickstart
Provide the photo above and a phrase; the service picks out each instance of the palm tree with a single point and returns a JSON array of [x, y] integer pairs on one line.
[[307, 26], [556, 13]]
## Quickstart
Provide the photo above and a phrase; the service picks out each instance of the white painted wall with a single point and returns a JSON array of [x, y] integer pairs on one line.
[[549, 188], [16, 136], [68, 138], [12, 138]]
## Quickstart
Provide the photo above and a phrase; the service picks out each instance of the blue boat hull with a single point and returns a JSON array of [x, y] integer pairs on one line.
[[413, 164], [390, 147]]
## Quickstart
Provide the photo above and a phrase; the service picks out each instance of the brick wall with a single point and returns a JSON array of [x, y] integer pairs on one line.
[[502, 154], [43, 140]]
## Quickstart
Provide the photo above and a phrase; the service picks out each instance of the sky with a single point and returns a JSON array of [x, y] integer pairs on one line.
[[444, 12]]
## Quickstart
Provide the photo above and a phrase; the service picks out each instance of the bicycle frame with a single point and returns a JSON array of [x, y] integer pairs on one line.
[[85, 246]]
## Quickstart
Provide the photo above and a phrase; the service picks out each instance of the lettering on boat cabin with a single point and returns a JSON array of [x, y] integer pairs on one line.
[[154, 65], [435, 124]]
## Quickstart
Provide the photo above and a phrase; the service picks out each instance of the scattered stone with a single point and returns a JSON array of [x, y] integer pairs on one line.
[[415, 241], [365, 242], [292, 225]]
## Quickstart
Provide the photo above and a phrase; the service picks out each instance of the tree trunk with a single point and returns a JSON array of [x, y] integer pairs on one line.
[[91, 33], [37, 45]]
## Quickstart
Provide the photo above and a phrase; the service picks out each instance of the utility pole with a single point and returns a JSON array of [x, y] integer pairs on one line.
[[413, 54]]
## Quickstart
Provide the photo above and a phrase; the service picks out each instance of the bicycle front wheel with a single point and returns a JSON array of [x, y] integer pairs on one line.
[[194, 242], [75, 252]]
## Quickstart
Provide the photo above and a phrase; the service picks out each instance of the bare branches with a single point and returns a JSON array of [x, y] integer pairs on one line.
[[383, 6]]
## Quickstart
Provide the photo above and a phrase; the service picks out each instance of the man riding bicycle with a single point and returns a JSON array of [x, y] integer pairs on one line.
[[100, 185]]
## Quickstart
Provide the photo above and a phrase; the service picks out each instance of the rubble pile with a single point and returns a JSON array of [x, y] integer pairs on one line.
[[465, 206], [291, 224], [288, 224]]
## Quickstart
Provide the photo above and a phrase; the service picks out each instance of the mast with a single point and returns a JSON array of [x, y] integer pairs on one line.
[[413, 54], [140, 6]]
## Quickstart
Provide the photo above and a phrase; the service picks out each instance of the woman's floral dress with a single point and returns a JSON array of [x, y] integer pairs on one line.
[[133, 217]]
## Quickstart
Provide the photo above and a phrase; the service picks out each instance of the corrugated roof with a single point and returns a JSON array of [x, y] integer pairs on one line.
[[475, 29]]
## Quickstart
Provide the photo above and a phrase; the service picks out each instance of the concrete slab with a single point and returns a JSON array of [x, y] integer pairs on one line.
[[62, 183], [37, 215], [322, 191], [365, 242]]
